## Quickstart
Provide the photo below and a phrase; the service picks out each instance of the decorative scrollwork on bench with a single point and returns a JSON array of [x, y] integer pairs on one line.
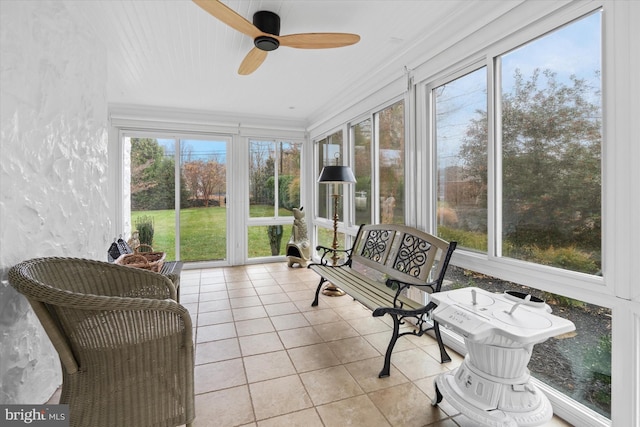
[[412, 255], [375, 246]]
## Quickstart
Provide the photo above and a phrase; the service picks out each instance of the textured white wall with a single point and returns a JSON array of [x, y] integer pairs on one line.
[[53, 180]]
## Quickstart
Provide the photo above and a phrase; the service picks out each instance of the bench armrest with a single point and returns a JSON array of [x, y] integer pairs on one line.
[[324, 259], [399, 286]]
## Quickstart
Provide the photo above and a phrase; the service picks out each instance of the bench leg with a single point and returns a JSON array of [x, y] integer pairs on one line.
[[444, 356], [315, 300], [385, 372]]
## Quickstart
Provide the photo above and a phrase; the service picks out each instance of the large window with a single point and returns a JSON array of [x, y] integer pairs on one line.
[[274, 190], [551, 135], [546, 152], [524, 183], [364, 194], [274, 178], [203, 213], [379, 159], [390, 130], [152, 192], [183, 214], [461, 115], [330, 153]]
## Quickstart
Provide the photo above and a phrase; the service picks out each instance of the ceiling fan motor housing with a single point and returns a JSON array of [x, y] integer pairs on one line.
[[267, 22]]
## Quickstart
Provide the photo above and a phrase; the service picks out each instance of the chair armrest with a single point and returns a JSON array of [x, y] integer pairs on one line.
[[119, 328], [139, 283], [101, 306]]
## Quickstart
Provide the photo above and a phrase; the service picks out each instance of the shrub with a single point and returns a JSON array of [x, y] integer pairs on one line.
[[562, 301], [294, 193], [568, 258], [598, 361], [468, 239], [447, 216]]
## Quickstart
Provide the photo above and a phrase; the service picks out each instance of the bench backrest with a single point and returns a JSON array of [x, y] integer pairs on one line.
[[403, 253]]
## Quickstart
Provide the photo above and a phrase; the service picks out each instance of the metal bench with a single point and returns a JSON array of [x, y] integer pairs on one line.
[[383, 263]]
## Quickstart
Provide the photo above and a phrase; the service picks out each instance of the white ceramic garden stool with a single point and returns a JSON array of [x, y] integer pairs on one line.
[[493, 385]]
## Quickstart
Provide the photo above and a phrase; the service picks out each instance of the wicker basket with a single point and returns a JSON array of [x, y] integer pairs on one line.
[[146, 259]]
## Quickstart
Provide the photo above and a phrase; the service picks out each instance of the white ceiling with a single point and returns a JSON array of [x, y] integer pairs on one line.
[[171, 53]]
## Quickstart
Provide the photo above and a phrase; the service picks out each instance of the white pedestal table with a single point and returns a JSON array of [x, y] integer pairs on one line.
[[493, 385]]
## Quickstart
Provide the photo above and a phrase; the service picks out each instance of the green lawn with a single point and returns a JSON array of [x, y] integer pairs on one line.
[[203, 233]]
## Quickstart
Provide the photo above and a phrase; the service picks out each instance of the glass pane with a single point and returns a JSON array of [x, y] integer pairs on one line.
[[551, 146], [153, 193], [330, 154], [461, 143], [390, 123], [325, 238], [362, 170], [578, 363], [262, 179], [288, 177], [203, 213], [267, 240]]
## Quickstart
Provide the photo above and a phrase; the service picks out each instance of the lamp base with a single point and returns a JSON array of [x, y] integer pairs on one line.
[[332, 290]]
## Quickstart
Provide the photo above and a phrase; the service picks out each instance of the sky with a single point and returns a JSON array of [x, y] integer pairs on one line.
[[574, 49], [200, 149]]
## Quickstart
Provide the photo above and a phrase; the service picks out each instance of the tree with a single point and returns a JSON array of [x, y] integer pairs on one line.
[[289, 175], [152, 176], [392, 153], [204, 179], [213, 179], [146, 155], [551, 176], [362, 160], [261, 173], [191, 178]]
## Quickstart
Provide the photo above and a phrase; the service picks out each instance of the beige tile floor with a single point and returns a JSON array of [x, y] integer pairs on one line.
[[265, 357]]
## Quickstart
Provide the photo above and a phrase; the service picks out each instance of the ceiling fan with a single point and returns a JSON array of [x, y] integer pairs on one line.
[[265, 32]]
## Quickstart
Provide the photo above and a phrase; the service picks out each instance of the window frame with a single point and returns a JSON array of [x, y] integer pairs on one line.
[[597, 290], [276, 219], [124, 219], [374, 210], [278, 153], [376, 163], [346, 231], [546, 278], [431, 118]]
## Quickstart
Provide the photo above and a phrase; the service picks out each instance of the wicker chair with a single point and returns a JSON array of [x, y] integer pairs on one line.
[[124, 343]]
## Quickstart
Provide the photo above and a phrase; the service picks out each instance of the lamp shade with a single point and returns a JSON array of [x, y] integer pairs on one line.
[[336, 174]]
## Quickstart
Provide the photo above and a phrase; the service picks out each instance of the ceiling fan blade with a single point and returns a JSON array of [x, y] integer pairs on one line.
[[318, 40], [252, 61], [229, 17]]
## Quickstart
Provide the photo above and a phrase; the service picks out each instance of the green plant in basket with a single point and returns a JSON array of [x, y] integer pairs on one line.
[[144, 225]]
